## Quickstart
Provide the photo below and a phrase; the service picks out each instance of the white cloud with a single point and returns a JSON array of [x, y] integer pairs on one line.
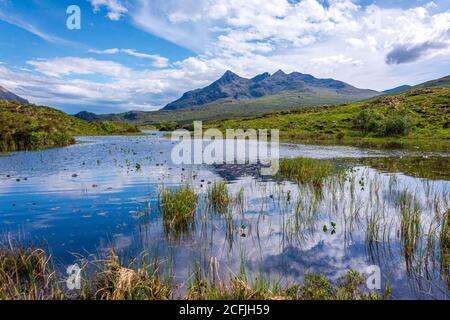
[[115, 8], [81, 66], [158, 61]]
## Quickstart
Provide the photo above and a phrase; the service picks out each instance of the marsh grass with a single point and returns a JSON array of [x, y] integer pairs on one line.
[[307, 171], [409, 225], [315, 287], [27, 274], [178, 208], [139, 280], [444, 246], [219, 196]]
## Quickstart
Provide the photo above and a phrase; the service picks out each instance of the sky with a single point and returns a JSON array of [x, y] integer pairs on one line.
[[143, 54]]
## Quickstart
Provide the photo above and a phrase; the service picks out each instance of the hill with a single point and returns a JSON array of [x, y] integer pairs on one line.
[[6, 95], [27, 127], [397, 89], [231, 88], [441, 83], [419, 114]]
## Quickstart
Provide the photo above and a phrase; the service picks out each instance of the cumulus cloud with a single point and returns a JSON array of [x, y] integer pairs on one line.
[[81, 66], [115, 8]]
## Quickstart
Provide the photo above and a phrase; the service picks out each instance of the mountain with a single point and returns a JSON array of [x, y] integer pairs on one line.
[[231, 87], [441, 83], [6, 95], [397, 89], [282, 101], [87, 116]]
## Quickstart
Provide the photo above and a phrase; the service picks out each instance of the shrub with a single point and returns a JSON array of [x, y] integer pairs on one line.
[[369, 121]]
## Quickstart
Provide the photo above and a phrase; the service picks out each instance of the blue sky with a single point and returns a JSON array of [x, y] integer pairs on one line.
[[142, 54]]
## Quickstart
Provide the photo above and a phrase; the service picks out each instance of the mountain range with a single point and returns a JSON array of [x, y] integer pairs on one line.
[[231, 87], [6, 95]]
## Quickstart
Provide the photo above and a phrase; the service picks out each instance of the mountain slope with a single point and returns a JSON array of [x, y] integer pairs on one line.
[[410, 117], [442, 83], [6, 95], [397, 89], [27, 127], [231, 87]]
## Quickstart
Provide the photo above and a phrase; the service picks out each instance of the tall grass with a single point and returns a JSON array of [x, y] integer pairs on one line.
[[27, 274], [178, 208], [305, 170], [219, 196], [409, 225], [444, 244]]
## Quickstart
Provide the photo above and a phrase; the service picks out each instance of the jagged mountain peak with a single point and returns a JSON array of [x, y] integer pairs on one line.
[[233, 87]]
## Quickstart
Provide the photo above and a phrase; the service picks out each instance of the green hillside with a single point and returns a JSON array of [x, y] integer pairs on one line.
[[27, 127], [440, 83], [420, 117], [285, 100]]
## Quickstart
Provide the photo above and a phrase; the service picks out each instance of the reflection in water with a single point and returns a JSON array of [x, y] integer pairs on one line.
[[104, 192]]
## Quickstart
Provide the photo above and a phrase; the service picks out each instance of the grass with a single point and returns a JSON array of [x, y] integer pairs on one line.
[[444, 245], [219, 196], [306, 170], [178, 208], [425, 112], [315, 287], [409, 224], [27, 127], [26, 274]]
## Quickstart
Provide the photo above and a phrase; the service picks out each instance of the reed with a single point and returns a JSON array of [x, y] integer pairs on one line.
[[219, 196], [178, 208]]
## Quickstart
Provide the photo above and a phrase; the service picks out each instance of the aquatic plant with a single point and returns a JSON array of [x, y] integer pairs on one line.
[[27, 274], [306, 170], [178, 208], [315, 287], [219, 196], [114, 281]]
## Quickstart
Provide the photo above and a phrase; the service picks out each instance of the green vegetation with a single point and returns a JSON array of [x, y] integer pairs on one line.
[[27, 127], [305, 170], [178, 208], [417, 119], [444, 244], [218, 196], [315, 287], [26, 274]]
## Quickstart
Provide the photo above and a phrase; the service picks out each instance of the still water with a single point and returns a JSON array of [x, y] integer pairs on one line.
[[103, 192]]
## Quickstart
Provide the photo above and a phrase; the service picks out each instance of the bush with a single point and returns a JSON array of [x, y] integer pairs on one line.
[[369, 121]]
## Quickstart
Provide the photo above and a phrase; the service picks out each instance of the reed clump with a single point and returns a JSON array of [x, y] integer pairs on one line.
[[219, 196], [27, 274], [178, 208], [306, 171], [118, 282], [315, 287]]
